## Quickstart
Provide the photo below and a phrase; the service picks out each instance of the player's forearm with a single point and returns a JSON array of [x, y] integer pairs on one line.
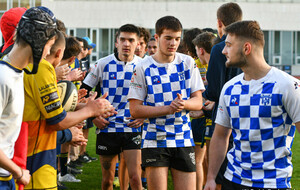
[[218, 145], [72, 119], [195, 102], [141, 111], [9, 165]]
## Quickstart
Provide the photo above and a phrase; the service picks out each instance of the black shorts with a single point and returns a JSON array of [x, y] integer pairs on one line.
[[182, 158], [88, 124], [198, 129], [229, 185], [114, 143]]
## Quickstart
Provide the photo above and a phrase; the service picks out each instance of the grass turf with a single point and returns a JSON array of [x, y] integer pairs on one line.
[[91, 176]]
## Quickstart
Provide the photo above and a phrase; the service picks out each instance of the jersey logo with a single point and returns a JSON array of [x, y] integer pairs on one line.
[[49, 97], [296, 85], [265, 100], [156, 80], [112, 76], [234, 101], [181, 76], [53, 107]]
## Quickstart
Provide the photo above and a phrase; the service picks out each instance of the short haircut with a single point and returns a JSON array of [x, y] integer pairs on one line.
[[249, 30], [72, 48], [229, 13], [205, 41], [130, 28], [188, 37], [144, 33], [152, 39], [85, 44], [61, 26], [167, 22], [59, 41]]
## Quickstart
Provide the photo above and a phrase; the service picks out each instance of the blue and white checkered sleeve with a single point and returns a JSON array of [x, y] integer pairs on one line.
[[291, 99], [94, 76], [222, 113], [137, 89]]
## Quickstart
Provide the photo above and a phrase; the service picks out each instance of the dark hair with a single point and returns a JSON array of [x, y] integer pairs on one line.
[[229, 13], [61, 26], [188, 37], [85, 44], [181, 48], [167, 22], [152, 39], [72, 48], [249, 30], [59, 40], [144, 33], [128, 28], [205, 41]]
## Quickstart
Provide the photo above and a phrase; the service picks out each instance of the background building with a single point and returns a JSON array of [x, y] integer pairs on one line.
[[99, 20]]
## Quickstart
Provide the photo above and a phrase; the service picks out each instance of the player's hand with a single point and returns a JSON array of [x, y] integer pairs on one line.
[[77, 137], [136, 123], [81, 95], [25, 179], [178, 104], [100, 106], [100, 122], [196, 114], [82, 75], [74, 75], [210, 185], [62, 72], [208, 105]]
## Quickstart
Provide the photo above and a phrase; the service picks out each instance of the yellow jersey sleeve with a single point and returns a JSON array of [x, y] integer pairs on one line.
[[41, 95]]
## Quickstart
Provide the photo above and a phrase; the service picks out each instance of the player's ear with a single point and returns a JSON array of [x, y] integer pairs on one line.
[[58, 52], [247, 48]]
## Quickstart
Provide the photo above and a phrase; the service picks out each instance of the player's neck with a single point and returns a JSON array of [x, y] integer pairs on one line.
[[125, 58], [256, 70], [19, 56], [163, 58]]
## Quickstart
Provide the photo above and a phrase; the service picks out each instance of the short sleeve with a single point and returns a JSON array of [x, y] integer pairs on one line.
[[222, 113], [196, 79], [138, 88], [291, 99], [94, 76], [45, 93]]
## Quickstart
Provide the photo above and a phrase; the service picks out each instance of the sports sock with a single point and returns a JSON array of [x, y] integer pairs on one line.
[[63, 158]]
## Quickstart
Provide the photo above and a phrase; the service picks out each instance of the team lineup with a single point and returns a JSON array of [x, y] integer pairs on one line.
[[202, 106]]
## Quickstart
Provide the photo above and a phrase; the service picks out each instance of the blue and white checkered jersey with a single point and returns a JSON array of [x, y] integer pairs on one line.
[[114, 77], [261, 114], [157, 84]]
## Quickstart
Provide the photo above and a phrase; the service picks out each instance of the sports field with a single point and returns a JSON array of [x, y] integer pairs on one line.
[[91, 176]]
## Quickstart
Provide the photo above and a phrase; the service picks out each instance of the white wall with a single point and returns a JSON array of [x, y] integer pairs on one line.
[[113, 14]]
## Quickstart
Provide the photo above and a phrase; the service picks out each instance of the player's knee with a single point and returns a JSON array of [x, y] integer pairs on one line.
[[135, 179], [107, 183]]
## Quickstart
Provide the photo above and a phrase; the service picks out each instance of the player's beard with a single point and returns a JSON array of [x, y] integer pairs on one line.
[[239, 62]]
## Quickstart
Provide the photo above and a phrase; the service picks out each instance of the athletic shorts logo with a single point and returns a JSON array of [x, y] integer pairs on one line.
[[100, 147], [137, 139], [192, 156], [150, 160]]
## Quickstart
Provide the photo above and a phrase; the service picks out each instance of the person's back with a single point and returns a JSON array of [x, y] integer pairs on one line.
[[217, 73]]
